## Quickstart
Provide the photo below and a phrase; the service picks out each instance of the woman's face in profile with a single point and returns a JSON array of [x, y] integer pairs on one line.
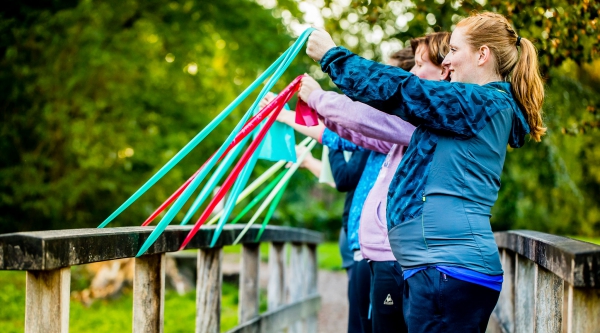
[[424, 68]]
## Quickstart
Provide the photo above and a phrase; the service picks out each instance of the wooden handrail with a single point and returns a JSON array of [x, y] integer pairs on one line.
[[48, 255], [574, 261], [551, 284], [45, 250]]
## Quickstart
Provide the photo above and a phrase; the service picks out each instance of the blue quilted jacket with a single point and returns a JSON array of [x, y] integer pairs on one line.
[[440, 199]]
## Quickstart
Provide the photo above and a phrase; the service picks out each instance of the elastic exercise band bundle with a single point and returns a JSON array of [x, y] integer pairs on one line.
[[241, 171]]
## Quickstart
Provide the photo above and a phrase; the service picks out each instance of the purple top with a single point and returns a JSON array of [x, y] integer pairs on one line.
[[374, 130]]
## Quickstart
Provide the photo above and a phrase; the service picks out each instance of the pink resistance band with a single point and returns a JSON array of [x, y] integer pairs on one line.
[[280, 101], [250, 125]]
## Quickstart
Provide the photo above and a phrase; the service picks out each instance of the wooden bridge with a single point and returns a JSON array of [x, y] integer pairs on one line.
[[551, 283]]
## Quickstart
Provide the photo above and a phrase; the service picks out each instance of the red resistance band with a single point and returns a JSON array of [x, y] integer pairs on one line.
[[305, 115], [250, 125], [286, 94]]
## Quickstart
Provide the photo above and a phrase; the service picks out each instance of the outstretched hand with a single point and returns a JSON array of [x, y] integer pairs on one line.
[[308, 85], [266, 100], [307, 160], [319, 42]]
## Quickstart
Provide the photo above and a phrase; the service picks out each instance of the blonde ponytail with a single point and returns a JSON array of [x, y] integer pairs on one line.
[[519, 68], [528, 88]]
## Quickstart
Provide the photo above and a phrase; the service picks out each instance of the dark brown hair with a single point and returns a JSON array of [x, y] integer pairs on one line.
[[404, 59], [437, 46]]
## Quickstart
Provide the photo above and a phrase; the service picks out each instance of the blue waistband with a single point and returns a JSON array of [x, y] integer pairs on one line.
[[490, 281]]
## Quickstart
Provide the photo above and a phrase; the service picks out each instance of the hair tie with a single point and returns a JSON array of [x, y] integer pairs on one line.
[[518, 41]]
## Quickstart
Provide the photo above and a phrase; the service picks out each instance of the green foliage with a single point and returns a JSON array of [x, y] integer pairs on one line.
[[114, 315], [554, 186], [98, 95], [12, 301], [328, 256], [561, 29]]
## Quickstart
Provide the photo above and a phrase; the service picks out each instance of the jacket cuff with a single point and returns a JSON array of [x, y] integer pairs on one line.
[[331, 55], [313, 99]]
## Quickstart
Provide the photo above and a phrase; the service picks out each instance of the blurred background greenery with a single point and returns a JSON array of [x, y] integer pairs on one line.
[[97, 95]]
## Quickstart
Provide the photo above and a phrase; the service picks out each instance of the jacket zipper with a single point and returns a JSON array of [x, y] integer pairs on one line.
[[422, 222]]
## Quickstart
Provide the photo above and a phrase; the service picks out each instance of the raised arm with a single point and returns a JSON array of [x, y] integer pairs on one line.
[[354, 138], [460, 109], [456, 108], [367, 126]]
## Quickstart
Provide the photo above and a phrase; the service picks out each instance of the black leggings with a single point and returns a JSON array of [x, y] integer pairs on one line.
[[386, 297], [435, 302], [358, 293]]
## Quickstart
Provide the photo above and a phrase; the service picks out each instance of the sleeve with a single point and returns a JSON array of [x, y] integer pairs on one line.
[[459, 109], [347, 174], [360, 123], [334, 141], [359, 139]]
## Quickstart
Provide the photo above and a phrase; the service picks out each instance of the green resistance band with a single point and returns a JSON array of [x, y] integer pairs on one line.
[[282, 64], [272, 195]]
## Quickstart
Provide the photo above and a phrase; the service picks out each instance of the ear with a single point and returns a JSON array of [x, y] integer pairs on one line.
[[485, 55], [445, 76]]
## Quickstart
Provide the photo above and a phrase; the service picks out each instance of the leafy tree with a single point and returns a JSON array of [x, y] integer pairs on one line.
[[98, 95], [552, 186]]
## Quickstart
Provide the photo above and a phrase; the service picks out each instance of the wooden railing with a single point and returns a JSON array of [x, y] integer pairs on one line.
[[551, 284], [48, 255]]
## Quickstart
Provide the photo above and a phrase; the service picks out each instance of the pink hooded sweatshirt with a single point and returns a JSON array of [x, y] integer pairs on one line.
[[374, 130]]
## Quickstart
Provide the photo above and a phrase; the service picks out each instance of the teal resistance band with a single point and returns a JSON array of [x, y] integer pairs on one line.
[[271, 211], [259, 197], [239, 185], [212, 181], [197, 139], [289, 56], [272, 195], [241, 182]]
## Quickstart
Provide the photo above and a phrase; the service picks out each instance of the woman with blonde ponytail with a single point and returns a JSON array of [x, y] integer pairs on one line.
[[440, 199]]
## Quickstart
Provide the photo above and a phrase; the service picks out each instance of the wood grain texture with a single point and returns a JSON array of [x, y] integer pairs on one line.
[[45, 250], [297, 282], [281, 318], [149, 294], [208, 290], [276, 286], [47, 301], [310, 285], [549, 295], [524, 294], [574, 261], [504, 313], [584, 312], [248, 294]]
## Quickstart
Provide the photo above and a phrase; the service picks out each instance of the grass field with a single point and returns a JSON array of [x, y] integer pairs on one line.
[[115, 315], [593, 240]]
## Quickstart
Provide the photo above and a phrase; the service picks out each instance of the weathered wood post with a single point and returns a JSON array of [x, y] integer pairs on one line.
[[276, 286], [311, 287], [583, 310], [208, 290], [47, 301], [149, 293], [47, 256], [296, 282], [505, 310], [524, 294], [549, 293], [556, 284], [248, 293]]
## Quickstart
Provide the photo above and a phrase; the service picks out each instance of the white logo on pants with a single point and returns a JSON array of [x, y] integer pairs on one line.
[[388, 300]]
